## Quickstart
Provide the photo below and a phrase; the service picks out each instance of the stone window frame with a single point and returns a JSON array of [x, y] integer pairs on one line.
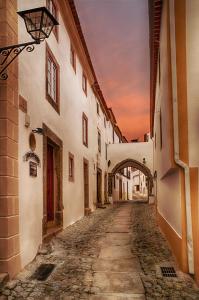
[[84, 121], [55, 104], [71, 176]]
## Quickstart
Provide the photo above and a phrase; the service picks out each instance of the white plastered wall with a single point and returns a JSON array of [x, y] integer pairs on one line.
[[168, 178]]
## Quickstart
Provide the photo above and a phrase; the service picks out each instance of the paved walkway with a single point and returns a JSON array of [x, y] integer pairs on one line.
[[114, 254], [117, 270]]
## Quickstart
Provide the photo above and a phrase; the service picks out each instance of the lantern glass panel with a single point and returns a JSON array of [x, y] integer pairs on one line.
[[47, 24]]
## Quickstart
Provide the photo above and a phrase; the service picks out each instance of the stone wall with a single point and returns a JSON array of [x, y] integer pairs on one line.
[[9, 209]]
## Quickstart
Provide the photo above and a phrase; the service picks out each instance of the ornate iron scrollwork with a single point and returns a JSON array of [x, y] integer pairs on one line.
[[8, 54]]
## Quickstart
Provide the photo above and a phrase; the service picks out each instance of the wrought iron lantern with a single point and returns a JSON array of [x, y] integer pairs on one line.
[[39, 24]]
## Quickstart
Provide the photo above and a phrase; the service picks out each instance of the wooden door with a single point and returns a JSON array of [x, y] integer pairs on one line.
[[86, 185], [50, 183]]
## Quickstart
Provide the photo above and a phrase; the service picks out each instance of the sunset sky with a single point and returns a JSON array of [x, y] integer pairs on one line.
[[116, 32]]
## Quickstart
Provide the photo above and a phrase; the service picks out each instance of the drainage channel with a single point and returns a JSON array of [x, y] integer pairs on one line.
[[43, 272]]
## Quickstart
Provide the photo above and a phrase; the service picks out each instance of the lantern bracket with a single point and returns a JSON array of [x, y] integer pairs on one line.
[[9, 53]]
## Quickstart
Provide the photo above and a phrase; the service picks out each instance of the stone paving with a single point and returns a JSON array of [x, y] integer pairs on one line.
[[113, 254], [150, 246]]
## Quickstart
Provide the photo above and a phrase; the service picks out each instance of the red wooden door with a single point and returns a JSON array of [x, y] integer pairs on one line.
[[50, 184]]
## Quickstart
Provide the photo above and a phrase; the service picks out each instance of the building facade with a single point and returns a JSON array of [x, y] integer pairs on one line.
[[55, 132], [174, 45]]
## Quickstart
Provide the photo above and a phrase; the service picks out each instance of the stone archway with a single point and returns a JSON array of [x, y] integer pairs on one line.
[[130, 163]]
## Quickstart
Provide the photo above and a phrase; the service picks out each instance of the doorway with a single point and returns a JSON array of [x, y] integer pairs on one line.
[[86, 186], [52, 183], [105, 188], [99, 187]]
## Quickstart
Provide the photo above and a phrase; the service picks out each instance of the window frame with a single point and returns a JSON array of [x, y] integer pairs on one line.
[[98, 108], [71, 177], [73, 57], [113, 136], [86, 86], [99, 141], [56, 16], [106, 151], [55, 104], [85, 118]]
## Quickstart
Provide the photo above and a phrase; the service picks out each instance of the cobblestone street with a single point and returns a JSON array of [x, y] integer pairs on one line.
[[114, 254]]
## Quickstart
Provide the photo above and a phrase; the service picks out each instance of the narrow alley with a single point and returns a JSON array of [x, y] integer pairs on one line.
[[115, 254]]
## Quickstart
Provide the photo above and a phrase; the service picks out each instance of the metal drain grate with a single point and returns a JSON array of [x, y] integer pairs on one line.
[[43, 271], [168, 272]]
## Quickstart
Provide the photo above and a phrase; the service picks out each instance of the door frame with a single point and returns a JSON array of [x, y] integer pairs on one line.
[[105, 187], [51, 138], [99, 171]]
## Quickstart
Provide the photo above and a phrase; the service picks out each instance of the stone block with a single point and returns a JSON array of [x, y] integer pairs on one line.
[[9, 206], [8, 147], [8, 186], [9, 247], [11, 266], [9, 226]]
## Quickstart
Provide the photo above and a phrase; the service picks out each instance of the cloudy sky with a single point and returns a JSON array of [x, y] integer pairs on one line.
[[116, 32]]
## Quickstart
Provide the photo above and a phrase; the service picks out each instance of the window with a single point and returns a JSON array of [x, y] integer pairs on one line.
[[52, 79], [113, 137], [53, 10], [97, 108], [73, 58], [85, 129], [106, 151], [99, 141], [105, 122], [71, 167], [84, 83]]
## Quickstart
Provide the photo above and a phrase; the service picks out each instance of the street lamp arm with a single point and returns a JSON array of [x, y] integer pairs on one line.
[[9, 53]]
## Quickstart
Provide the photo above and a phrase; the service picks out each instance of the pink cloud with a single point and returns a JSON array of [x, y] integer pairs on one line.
[[116, 33]]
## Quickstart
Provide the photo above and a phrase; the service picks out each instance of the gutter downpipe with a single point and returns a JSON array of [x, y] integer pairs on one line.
[[176, 142]]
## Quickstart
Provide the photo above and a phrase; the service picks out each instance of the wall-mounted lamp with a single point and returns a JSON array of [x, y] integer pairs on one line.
[[38, 131], [39, 24], [109, 163], [144, 160]]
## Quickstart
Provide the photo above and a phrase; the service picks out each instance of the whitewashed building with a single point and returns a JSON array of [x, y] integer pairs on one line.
[[49, 180]]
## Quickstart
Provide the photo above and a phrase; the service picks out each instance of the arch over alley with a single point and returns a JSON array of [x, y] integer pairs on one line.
[[136, 155]]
